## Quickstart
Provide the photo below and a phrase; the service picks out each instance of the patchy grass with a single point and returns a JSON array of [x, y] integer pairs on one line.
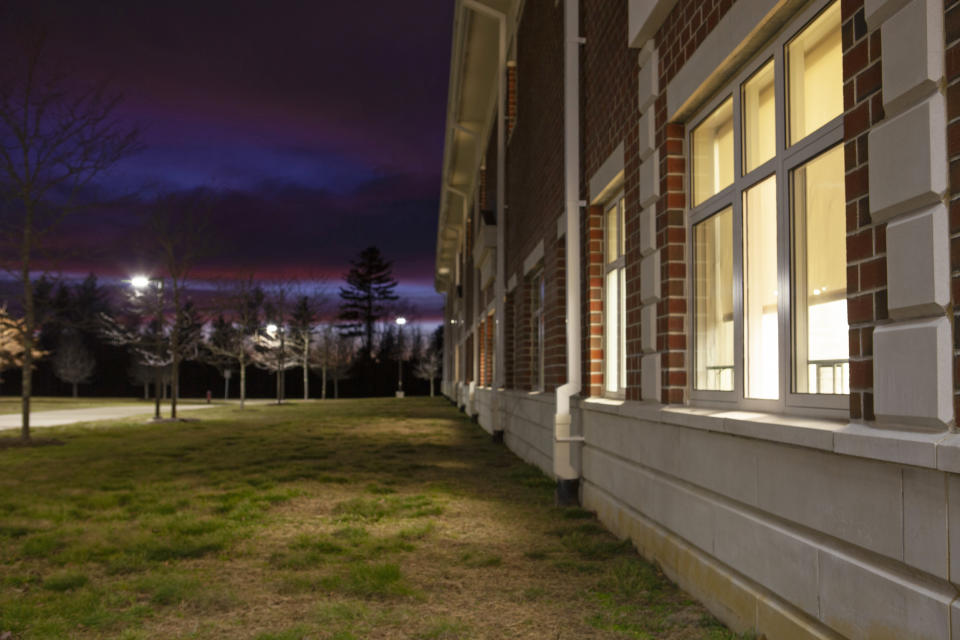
[[337, 520]]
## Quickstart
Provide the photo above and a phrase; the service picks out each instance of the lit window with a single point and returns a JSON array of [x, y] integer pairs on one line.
[[769, 273], [713, 153], [614, 299]]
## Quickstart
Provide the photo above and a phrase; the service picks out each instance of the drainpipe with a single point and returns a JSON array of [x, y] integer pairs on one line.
[[567, 448]]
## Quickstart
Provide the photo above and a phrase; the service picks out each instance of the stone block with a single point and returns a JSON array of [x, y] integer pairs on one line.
[[855, 500], [650, 278], [648, 231], [918, 263], [648, 328], [876, 11], [925, 521], [650, 377], [860, 601], [912, 373], [649, 83], [649, 181], [912, 54], [780, 562], [646, 138], [908, 160]]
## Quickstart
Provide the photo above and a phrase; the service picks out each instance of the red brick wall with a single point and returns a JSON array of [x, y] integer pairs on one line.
[[555, 326], [592, 303], [534, 185], [608, 85], [866, 241], [510, 340], [952, 33], [681, 33]]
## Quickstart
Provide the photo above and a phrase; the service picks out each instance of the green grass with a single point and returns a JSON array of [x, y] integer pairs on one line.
[[333, 520]]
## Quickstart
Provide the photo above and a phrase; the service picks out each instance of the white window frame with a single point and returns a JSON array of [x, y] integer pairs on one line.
[[785, 160], [618, 265]]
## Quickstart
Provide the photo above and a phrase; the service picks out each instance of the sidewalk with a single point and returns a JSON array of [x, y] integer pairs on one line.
[[70, 416]]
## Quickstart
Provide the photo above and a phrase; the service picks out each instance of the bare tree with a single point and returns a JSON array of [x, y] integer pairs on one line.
[[180, 227], [427, 368], [11, 344], [302, 324], [55, 138], [332, 353], [72, 362], [140, 373], [273, 352], [242, 310]]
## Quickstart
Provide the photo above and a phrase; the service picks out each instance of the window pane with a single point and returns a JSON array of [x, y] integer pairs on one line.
[[815, 63], [760, 326], [713, 153], [610, 233], [759, 119], [622, 227], [713, 303], [611, 332], [820, 276]]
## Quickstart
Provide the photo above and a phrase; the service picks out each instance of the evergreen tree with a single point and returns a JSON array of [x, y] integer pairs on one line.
[[364, 301]]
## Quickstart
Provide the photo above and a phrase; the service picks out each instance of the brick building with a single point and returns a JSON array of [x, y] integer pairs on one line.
[[701, 262]]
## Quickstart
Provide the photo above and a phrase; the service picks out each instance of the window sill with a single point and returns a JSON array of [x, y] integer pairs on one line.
[[931, 450]]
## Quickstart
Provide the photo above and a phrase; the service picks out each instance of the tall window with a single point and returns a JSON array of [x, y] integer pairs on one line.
[[614, 299], [768, 226], [537, 291]]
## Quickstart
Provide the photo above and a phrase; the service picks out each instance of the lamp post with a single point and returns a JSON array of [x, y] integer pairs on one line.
[[140, 284], [400, 322]]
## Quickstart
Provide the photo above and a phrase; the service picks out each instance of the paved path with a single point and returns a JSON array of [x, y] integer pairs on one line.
[[111, 412]]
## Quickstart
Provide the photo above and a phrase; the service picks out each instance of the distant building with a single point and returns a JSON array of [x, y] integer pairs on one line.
[[701, 260]]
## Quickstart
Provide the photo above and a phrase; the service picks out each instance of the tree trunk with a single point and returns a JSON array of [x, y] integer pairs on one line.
[[158, 387], [431, 387], [74, 389], [226, 388], [175, 350], [323, 382], [306, 369], [243, 383], [26, 373]]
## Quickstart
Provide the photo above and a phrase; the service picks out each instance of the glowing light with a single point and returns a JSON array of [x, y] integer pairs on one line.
[[140, 282], [816, 292], [401, 321], [272, 329]]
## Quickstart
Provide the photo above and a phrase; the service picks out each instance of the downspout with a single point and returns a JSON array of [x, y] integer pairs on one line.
[[567, 448]]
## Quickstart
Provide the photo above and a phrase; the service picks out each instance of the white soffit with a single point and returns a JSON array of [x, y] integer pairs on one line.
[[743, 30], [533, 258]]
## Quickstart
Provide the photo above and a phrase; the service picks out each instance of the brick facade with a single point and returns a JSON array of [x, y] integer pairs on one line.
[[608, 87], [534, 187], [866, 241]]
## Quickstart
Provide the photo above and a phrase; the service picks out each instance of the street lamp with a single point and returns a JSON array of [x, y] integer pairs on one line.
[[400, 322]]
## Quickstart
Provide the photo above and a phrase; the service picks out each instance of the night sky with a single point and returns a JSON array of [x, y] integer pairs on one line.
[[317, 125]]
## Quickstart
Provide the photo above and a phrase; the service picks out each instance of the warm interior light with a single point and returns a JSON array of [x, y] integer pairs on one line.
[[272, 329]]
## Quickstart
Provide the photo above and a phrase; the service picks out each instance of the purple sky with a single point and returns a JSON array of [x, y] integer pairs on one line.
[[319, 125]]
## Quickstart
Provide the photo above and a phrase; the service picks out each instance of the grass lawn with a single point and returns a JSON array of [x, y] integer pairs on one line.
[[338, 520]]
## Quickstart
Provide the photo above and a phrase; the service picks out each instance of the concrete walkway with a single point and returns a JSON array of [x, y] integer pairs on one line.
[[112, 412]]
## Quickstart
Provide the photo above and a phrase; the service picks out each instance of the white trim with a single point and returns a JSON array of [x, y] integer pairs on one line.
[[645, 17], [533, 258], [562, 225], [608, 177]]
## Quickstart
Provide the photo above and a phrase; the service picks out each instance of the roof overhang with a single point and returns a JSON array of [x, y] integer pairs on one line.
[[471, 105]]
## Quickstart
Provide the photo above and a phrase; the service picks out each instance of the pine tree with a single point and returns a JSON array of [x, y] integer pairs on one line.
[[365, 300]]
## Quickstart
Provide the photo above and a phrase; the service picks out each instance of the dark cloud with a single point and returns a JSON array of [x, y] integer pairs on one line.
[[318, 126]]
